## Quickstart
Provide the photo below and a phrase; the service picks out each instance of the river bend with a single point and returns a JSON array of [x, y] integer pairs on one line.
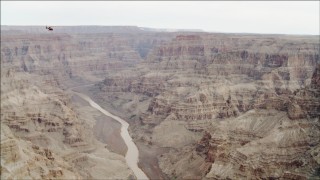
[[132, 155]]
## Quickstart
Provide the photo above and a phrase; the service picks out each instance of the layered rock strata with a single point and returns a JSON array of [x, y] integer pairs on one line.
[[255, 97], [208, 106], [43, 136]]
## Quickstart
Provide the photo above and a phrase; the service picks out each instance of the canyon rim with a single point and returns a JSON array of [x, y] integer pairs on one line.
[[199, 105]]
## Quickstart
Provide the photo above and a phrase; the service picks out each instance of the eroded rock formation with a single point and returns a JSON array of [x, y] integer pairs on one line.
[[255, 98], [208, 106]]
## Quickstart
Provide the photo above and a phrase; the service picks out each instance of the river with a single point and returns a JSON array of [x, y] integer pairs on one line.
[[132, 155]]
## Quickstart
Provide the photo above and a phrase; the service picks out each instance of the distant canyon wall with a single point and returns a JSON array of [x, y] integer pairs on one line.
[[227, 106]]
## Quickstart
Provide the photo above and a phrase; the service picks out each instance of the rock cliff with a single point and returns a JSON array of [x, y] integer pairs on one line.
[[202, 105], [36, 69], [43, 135], [255, 97]]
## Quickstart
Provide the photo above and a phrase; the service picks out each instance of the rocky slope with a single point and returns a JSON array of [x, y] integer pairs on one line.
[[39, 115], [43, 136], [200, 105], [254, 96]]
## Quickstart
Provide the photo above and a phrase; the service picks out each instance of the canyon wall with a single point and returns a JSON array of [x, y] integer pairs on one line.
[[254, 97], [44, 133], [202, 105]]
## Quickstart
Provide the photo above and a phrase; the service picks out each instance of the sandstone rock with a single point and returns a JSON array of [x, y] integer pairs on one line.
[[254, 100], [214, 78]]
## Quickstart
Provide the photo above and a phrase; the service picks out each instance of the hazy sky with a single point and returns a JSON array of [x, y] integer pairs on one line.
[[286, 17]]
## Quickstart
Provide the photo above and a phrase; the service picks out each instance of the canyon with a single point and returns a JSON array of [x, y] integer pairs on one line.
[[198, 105]]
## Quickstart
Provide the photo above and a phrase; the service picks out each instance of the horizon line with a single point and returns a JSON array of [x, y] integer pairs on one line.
[[177, 29]]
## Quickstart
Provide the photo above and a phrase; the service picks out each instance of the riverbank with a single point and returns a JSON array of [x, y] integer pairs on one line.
[[148, 160], [132, 155], [105, 129]]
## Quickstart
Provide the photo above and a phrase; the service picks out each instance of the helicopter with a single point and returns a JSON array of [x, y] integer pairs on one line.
[[49, 28]]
